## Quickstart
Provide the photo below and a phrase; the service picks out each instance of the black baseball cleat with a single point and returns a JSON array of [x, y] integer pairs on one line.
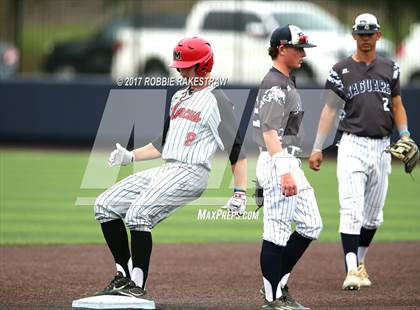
[[289, 301], [285, 302], [132, 290], [115, 286]]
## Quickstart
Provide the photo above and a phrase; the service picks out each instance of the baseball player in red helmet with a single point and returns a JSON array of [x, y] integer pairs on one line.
[[201, 121]]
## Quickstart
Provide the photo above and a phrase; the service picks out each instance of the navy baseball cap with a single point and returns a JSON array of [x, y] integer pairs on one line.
[[289, 35], [366, 24]]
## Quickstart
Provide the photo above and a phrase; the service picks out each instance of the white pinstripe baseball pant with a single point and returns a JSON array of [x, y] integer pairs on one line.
[[280, 211], [362, 171], [148, 197]]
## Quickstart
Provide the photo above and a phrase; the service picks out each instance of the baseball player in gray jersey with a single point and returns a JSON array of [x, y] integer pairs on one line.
[[369, 87], [201, 121], [288, 196]]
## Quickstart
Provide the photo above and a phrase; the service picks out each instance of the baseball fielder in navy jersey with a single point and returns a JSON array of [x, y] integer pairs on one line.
[[288, 196], [368, 87], [201, 120]]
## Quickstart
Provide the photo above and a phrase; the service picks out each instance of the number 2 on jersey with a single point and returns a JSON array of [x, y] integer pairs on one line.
[[386, 104]]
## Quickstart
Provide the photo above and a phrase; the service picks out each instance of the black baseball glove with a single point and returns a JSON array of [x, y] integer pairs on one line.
[[407, 151]]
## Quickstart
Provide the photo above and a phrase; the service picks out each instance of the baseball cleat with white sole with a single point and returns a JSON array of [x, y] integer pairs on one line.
[[352, 281], [363, 276]]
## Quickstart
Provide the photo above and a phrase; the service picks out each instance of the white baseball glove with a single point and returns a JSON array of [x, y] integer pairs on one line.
[[120, 156], [236, 204]]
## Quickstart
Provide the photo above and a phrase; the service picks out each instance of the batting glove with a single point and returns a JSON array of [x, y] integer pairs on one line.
[[120, 157], [236, 204]]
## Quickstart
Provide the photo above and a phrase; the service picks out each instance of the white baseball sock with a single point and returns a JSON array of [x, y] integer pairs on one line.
[[351, 261], [361, 253], [137, 276], [120, 269], [283, 280]]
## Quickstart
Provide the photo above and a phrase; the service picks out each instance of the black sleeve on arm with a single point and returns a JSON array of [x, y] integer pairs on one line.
[[335, 84], [395, 86], [228, 128], [334, 92], [159, 141]]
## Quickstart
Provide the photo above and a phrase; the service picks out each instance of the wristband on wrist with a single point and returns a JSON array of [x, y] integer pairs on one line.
[[281, 162], [405, 132]]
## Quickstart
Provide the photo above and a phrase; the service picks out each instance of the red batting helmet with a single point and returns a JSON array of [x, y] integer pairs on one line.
[[193, 51]]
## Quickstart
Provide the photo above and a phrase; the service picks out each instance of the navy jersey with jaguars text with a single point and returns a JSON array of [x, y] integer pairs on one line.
[[367, 91]]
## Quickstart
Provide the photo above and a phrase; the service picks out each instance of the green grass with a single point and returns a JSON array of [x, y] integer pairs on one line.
[[39, 188]]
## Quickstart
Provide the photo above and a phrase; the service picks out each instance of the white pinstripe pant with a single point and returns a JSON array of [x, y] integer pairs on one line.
[[280, 211], [362, 171], [148, 197]]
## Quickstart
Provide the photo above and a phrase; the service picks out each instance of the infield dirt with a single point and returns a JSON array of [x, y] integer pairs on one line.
[[208, 276]]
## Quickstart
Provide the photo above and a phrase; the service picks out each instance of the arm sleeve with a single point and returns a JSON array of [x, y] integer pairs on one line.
[[395, 87], [228, 128]]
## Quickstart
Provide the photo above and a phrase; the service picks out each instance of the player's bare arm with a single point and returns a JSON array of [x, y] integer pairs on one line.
[[237, 203], [239, 170], [328, 115], [233, 145], [146, 152], [271, 139], [274, 148], [400, 117]]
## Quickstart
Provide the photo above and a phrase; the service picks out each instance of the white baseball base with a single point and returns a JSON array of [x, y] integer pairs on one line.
[[113, 302]]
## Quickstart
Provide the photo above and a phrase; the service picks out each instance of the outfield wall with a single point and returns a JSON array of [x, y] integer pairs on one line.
[[68, 113]]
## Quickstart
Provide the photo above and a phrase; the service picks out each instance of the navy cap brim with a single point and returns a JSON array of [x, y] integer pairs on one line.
[[305, 45]]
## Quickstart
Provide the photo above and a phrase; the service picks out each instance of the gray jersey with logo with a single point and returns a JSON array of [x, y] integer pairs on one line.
[[367, 91], [278, 106]]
